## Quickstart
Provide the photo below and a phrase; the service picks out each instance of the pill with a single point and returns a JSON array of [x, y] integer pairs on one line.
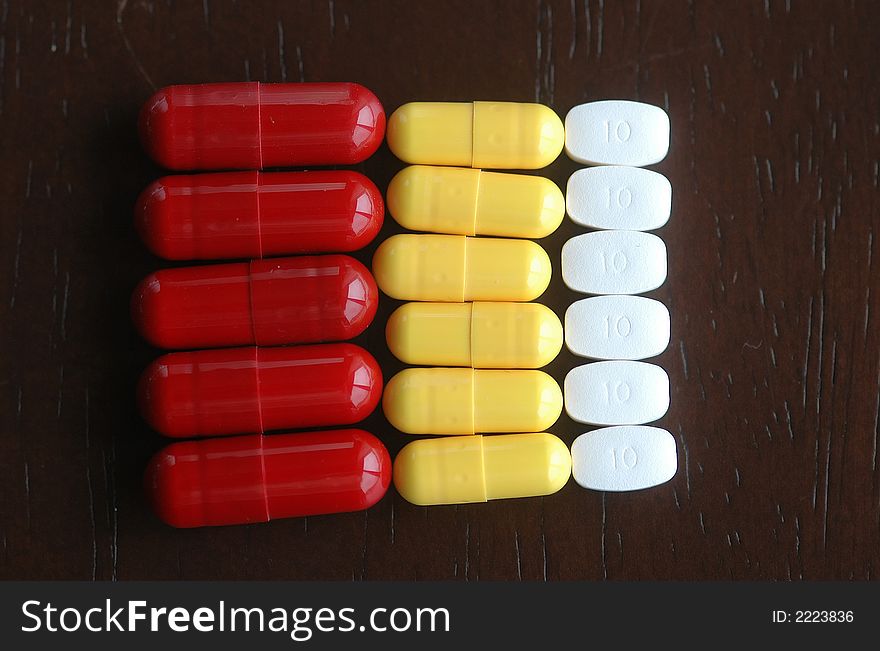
[[478, 335], [465, 201], [616, 393], [463, 469], [256, 478], [468, 401], [304, 299], [499, 135], [251, 125], [255, 215], [455, 268], [254, 390], [614, 262], [610, 196], [617, 327], [617, 132], [624, 458]]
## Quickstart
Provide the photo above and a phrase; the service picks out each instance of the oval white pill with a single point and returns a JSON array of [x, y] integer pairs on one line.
[[617, 132], [610, 196], [625, 458], [614, 262], [617, 327], [616, 393]]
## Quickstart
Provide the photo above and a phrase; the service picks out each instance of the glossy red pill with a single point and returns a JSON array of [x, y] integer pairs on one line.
[[248, 390], [256, 478], [305, 299], [256, 215], [250, 125]]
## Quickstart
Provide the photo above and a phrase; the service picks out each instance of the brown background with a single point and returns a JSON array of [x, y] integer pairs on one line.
[[773, 282]]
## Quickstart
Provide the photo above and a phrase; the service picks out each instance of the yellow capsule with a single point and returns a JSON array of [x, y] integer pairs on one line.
[[499, 135], [479, 335], [465, 201], [459, 470], [467, 401], [455, 268]]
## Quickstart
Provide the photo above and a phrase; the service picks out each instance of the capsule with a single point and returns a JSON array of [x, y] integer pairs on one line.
[[256, 478], [468, 401], [459, 470], [305, 299], [499, 135], [254, 390], [455, 268], [478, 335], [256, 215], [464, 201], [251, 125]]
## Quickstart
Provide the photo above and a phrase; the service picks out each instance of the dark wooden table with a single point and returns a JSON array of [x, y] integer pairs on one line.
[[773, 282]]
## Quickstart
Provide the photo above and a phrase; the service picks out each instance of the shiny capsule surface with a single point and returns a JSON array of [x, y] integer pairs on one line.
[[478, 334], [463, 201], [498, 135], [254, 390], [251, 125], [305, 299], [468, 401], [257, 478], [463, 469], [454, 268], [258, 214]]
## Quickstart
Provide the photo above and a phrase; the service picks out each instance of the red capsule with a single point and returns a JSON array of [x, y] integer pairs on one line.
[[256, 215], [243, 479], [247, 390], [305, 299], [249, 125]]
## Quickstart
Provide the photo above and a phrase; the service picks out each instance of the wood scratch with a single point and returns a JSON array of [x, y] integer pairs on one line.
[[120, 9], [518, 556], [876, 417], [27, 493], [92, 511], [364, 547], [281, 62], [589, 24], [331, 8], [60, 391], [788, 420], [604, 533], [109, 466], [543, 542], [64, 301], [299, 62], [687, 466], [684, 363], [807, 354], [16, 264], [467, 550], [68, 28]]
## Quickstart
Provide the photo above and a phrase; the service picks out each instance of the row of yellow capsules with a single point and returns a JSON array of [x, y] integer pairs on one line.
[[472, 336]]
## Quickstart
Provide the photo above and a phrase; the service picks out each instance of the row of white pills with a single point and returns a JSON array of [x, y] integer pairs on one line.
[[616, 263]]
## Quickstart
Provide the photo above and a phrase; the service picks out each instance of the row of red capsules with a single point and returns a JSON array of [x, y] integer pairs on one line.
[[261, 304]]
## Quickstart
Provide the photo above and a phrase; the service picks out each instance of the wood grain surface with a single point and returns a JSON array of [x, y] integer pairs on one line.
[[773, 282]]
